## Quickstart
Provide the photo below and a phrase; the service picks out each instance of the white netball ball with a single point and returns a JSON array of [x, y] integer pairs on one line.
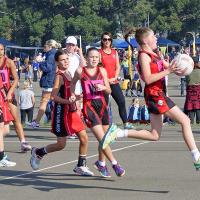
[[185, 63]]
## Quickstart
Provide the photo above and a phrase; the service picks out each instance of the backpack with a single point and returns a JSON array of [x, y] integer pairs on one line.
[[133, 114], [144, 114]]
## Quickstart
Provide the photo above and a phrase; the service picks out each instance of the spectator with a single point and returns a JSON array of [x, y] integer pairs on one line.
[[192, 100], [48, 68], [110, 61], [35, 66], [26, 102]]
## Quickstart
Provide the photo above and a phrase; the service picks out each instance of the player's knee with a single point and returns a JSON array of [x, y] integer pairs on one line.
[[61, 146], [83, 139], [185, 121]]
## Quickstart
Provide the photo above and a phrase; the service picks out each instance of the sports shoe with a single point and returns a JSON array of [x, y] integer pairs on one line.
[[83, 171], [197, 165], [118, 170], [35, 124], [129, 126], [35, 159], [102, 169], [110, 136], [25, 146], [73, 136], [5, 162]]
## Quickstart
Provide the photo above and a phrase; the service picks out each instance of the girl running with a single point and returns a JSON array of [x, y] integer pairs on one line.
[[7, 69], [5, 118], [65, 120], [152, 71], [94, 83]]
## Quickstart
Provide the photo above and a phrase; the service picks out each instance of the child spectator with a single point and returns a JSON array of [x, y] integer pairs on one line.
[[26, 102]]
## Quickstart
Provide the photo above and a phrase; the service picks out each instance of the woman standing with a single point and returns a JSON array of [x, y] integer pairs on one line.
[[192, 100], [48, 68], [110, 61]]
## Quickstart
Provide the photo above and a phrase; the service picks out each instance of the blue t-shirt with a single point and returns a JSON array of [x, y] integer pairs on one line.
[[35, 66]]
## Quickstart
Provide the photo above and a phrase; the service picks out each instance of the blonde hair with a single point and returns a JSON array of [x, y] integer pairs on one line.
[[141, 33], [53, 44], [26, 84]]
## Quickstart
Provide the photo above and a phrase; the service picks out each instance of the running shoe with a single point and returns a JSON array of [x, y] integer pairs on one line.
[[118, 170], [197, 165], [102, 169], [35, 124], [25, 146], [73, 136], [129, 126], [110, 136], [35, 159], [83, 171], [5, 162]]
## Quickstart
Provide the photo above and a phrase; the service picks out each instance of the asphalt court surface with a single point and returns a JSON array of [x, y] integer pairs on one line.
[[154, 170]]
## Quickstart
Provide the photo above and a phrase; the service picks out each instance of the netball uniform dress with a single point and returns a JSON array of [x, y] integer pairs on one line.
[[65, 119], [94, 105], [5, 115], [5, 75], [155, 93]]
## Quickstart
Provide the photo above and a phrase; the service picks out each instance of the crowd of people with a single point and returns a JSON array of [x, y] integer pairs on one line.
[[80, 88]]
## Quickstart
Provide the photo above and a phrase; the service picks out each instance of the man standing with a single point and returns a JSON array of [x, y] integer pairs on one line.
[[76, 59]]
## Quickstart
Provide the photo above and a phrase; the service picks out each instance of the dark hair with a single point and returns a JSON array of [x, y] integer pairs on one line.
[[91, 49], [59, 53], [108, 34]]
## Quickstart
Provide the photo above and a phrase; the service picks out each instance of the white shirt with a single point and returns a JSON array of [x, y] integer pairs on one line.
[[74, 62], [25, 99]]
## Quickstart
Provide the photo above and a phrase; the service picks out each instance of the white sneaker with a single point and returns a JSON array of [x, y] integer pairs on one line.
[[35, 159], [83, 171], [73, 136], [5, 162], [35, 124], [25, 146]]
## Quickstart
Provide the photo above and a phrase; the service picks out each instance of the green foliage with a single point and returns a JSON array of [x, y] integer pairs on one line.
[[33, 22]]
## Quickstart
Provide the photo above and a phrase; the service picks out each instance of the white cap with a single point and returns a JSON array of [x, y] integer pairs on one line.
[[71, 40]]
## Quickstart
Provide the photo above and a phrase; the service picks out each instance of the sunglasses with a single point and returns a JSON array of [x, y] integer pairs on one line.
[[107, 39]]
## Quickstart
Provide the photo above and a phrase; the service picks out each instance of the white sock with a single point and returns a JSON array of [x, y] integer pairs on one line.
[[195, 154], [23, 141], [122, 133], [102, 163], [114, 162]]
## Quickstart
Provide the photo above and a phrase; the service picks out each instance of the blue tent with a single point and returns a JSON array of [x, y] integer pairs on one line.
[[120, 43], [6, 42], [197, 41], [165, 42]]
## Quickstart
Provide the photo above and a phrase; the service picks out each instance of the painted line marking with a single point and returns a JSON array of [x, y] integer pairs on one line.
[[70, 162]]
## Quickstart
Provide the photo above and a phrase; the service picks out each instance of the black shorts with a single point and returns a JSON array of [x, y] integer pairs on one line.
[[158, 104], [96, 112]]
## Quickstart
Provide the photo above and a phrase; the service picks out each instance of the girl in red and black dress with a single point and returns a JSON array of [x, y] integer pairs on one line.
[[5, 118], [152, 71], [7, 70], [94, 83], [65, 120]]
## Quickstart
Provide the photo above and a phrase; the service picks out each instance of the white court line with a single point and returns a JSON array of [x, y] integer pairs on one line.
[[73, 161], [95, 141]]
